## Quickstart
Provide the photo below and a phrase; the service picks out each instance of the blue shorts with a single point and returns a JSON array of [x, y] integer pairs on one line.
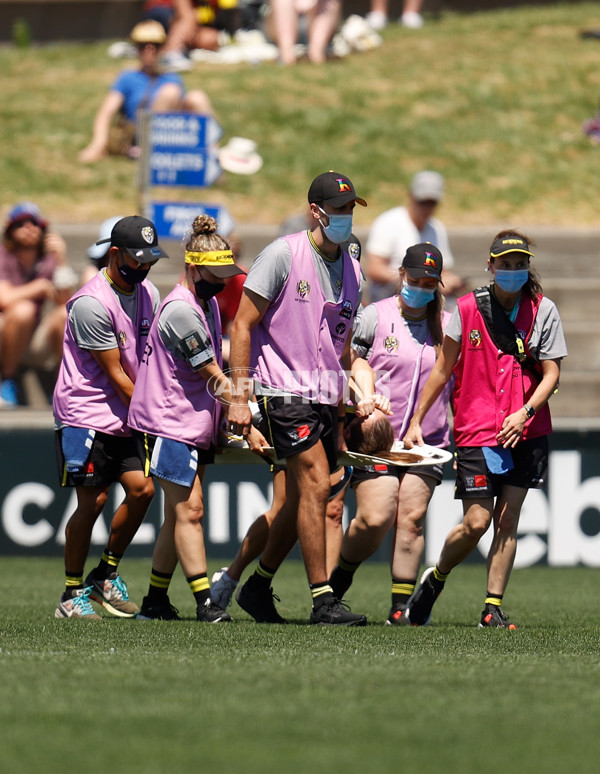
[[171, 460]]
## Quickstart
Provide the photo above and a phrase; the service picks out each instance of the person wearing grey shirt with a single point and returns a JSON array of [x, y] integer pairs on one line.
[[304, 424], [270, 271], [501, 417]]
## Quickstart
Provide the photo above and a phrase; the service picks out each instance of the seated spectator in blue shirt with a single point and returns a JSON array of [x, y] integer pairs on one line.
[[145, 89]]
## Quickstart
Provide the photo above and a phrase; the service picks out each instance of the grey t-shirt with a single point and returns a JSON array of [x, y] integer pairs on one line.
[[547, 340], [179, 321], [271, 268], [91, 324], [365, 330]]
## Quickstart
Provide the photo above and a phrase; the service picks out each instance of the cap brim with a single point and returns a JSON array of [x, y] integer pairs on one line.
[[427, 196], [511, 250], [340, 201], [420, 273], [223, 272], [95, 252], [145, 254], [27, 216]]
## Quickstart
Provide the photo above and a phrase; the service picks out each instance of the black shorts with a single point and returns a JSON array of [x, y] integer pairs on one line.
[[474, 480], [375, 471], [261, 425], [109, 457], [294, 426]]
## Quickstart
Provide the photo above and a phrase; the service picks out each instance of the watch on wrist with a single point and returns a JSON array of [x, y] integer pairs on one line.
[[529, 409]]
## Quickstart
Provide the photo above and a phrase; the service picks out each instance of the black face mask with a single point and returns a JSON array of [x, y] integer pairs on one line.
[[130, 275], [206, 290]]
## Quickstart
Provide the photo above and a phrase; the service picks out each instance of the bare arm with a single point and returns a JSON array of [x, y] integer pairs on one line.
[[55, 244], [438, 378], [512, 427], [98, 146], [453, 284], [109, 361], [38, 289], [250, 312], [378, 269], [218, 383], [363, 387]]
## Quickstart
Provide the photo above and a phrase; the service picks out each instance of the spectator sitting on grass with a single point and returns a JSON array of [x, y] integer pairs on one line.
[[145, 89]]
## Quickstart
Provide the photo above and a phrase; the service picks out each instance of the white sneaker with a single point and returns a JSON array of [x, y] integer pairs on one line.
[[412, 20], [175, 62], [222, 588], [122, 49], [77, 606], [376, 20]]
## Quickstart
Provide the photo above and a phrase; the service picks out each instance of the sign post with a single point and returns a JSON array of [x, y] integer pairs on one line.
[[179, 150]]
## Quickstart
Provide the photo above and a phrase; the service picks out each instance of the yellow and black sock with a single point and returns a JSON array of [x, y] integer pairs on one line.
[[321, 593], [493, 599], [439, 578], [73, 581], [200, 587], [108, 564], [343, 573], [159, 585], [263, 575], [402, 590]]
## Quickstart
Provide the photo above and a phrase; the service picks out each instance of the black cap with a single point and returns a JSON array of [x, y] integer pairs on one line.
[[423, 260], [137, 236], [509, 244], [333, 188]]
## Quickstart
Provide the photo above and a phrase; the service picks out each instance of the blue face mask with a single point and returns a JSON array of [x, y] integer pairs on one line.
[[416, 297], [339, 228], [511, 281]]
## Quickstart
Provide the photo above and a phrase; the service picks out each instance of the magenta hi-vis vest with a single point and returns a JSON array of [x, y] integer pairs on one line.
[[298, 344], [404, 366], [489, 384], [170, 399], [84, 395]]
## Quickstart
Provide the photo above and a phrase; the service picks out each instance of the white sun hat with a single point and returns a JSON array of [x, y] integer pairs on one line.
[[96, 252], [240, 157]]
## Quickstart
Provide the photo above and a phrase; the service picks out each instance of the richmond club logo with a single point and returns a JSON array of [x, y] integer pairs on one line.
[[303, 289], [391, 344], [148, 234], [475, 338]]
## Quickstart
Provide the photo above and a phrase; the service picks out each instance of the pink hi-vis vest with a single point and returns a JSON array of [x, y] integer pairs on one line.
[[170, 399], [404, 366], [84, 395], [489, 384], [298, 344]]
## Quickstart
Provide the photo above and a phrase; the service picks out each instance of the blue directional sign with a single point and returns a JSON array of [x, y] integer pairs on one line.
[[173, 220], [182, 150]]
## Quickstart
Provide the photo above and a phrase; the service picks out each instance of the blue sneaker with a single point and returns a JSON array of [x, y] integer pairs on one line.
[[112, 594], [8, 394], [76, 606]]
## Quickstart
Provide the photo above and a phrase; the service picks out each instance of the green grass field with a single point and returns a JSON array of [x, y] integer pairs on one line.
[[128, 696], [493, 100]]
